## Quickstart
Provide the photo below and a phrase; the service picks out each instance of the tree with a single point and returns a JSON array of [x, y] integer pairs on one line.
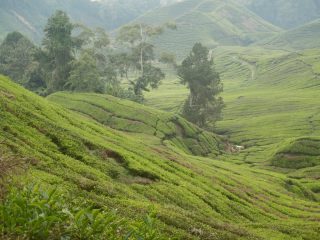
[[150, 77], [203, 105], [169, 59], [141, 55], [85, 76], [58, 46], [17, 60]]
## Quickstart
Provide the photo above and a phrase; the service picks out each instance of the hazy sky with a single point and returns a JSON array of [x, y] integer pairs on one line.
[[163, 2]]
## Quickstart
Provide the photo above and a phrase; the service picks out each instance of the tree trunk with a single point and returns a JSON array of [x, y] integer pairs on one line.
[[141, 50]]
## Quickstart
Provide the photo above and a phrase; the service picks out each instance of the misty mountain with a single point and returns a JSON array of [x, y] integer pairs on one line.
[[30, 16], [286, 13]]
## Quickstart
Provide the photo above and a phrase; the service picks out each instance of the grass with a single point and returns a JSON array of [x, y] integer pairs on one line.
[[195, 197]]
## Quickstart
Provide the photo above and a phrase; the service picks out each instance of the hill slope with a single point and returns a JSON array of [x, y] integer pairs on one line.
[[286, 13], [212, 22], [271, 100], [303, 37], [196, 197], [29, 17], [134, 118]]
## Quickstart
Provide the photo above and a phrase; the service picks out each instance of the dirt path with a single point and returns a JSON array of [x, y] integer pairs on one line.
[[252, 67]]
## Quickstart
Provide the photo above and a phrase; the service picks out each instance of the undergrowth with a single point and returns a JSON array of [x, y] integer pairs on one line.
[[34, 213]]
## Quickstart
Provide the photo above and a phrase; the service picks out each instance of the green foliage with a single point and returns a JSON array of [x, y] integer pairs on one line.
[[145, 229], [76, 58], [151, 77], [108, 15], [58, 47], [140, 56], [215, 197], [169, 59], [84, 76], [135, 118], [298, 153], [33, 213], [17, 61], [272, 104], [197, 72]]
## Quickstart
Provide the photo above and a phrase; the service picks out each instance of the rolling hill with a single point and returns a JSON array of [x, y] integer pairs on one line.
[[212, 22], [272, 104], [303, 37], [133, 118], [195, 197]]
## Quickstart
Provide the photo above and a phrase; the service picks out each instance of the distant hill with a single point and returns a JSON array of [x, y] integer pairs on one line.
[[30, 16], [229, 22], [212, 22], [304, 37], [286, 13]]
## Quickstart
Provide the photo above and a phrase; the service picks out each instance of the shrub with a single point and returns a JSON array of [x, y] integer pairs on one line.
[[31, 213], [8, 165], [145, 229]]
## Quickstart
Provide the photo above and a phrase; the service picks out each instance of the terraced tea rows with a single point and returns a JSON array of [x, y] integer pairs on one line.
[[196, 197]]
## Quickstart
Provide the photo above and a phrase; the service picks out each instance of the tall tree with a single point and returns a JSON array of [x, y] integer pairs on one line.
[[58, 49], [17, 60], [84, 76], [16, 57], [136, 38], [203, 106], [96, 43]]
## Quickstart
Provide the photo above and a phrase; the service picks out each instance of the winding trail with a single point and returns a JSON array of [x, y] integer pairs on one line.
[[252, 67]]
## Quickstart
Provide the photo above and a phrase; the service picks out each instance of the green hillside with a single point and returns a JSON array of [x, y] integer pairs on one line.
[[130, 117], [211, 22], [271, 99], [286, 13], [303, 37], [77, 163], [195, 197], [298, 153]]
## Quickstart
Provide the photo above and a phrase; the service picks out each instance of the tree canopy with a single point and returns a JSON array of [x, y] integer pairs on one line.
[[16, 56], [74, 57], [58, 47], [203, 105]]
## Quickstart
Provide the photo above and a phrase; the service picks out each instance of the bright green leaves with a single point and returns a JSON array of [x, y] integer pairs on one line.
[[33, 213]]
